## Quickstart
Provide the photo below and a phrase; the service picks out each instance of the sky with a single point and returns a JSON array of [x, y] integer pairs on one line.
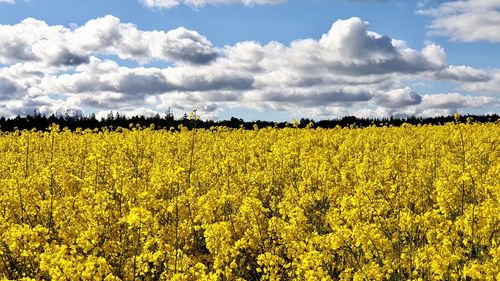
[[250, 59]]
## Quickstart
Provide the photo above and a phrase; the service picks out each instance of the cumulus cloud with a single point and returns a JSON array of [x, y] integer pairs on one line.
[[466, 20], [398, 98], [347, 55], [42, 105], [434, 54], [349, 70], [427, 105], [167, 4], [463, 73], [350, 47], [107, 76], [489, 86], [455, 100], [34, 41], [8, 1], [7, 88], [307, 97], [108, 35]]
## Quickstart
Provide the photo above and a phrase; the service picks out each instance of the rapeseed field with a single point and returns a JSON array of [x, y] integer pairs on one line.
[[376, 203]]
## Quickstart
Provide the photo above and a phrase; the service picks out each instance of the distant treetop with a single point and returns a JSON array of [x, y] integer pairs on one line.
[[42, 122]]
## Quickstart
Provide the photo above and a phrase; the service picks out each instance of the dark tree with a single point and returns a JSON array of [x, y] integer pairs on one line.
[[42, 122]]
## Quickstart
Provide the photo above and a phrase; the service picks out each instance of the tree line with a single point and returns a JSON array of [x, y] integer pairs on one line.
[[168, 121]]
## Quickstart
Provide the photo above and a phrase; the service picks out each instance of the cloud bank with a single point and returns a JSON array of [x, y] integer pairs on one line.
[[34, 41], [349, 70], [466, 20]]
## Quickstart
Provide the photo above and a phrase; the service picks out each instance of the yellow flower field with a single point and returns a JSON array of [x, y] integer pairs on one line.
[[378, 203]]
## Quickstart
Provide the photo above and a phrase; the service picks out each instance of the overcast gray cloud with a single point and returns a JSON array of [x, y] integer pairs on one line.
[[466, 20], [349, 70]]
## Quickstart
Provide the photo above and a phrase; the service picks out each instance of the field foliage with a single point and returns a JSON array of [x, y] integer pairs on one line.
[[379, 203]]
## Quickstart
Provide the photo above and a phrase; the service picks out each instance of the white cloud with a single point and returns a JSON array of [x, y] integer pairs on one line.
[[108, 35], [350, 46], [435, 54], [463, 73], [466, 20], [34, 41], [490, 86], [455, 100], [347, 71], [167, 4], [398, 98], [42, 105], [436, 112], [8, 1], [107, 76]]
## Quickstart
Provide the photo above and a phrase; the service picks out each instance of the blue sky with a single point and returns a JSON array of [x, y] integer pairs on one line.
[[254, 59]]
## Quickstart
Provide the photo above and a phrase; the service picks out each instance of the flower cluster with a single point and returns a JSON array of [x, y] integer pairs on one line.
[[379, 203]]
